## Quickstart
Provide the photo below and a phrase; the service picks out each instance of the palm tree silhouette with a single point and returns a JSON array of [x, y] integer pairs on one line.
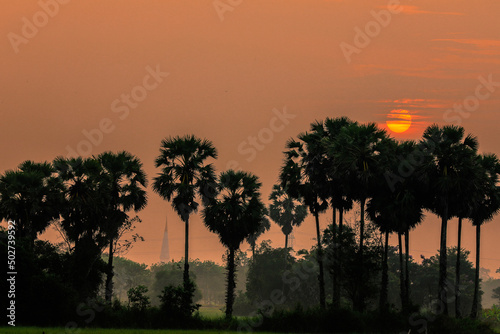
[[127, 182], [396, 207], [252, 238], [486, 206], [463, 206], [235, 213], [303, 176], [85, 213], [449, 157], [185, 173], [328, 132], [30, 196], [285, 211], [355, 154]]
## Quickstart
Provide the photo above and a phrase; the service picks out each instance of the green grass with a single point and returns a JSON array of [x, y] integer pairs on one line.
[[40, 330], [211, 312]]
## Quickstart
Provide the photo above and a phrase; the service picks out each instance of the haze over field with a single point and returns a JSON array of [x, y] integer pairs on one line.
[[141, 71]]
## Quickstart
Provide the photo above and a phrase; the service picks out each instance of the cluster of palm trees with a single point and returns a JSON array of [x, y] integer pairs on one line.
[[88, 200], [338, 162], [232, 205], [334, 164]]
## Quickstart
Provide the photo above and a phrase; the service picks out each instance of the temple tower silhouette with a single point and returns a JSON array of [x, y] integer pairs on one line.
[[165, 253]]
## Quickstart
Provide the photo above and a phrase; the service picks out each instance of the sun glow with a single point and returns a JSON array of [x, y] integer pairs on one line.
[[398, 120]]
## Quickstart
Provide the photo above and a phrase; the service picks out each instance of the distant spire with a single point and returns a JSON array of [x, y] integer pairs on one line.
[[291, 239], [165, 254]]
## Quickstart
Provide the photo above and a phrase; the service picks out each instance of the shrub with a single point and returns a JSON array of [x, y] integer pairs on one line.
[[176, 303], [137, 299], [492, 316]]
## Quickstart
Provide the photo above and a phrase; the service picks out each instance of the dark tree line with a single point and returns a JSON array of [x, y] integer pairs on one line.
[[338, 162], [335, 164]]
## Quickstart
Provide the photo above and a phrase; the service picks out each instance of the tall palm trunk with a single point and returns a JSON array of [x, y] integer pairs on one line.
[[401, 272], [341, 220], [186, 254], [407, 271], [286, 249], [475, 299], [230, 283], [334, 216], [443, 262], [338, 265], [335, 256], [362, 230], [385, 277], [110, 274], [321, 278], [359, 302], [458, 313]]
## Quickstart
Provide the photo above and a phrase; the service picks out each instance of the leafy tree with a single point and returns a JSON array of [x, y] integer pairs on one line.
[[234, 213], [275, 285], [184, 173], [425, 275], [166, 274], [496, 294], [137, 299], [209, 277], [496, 291], [129, 274], [266, 273], [360, 293]]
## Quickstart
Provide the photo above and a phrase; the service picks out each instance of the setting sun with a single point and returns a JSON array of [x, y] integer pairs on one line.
[[398, 120]]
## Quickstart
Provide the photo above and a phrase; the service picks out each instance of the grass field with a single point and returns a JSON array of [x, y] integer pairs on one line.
[[211, 312], [40, 330]]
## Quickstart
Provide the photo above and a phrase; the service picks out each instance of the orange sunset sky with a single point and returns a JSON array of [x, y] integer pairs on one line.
[[232, 67]]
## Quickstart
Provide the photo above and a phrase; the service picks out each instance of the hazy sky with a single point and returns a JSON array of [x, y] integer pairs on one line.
[[246, 75]]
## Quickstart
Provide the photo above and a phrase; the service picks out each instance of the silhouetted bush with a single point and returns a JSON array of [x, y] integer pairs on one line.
[[177, 305]]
